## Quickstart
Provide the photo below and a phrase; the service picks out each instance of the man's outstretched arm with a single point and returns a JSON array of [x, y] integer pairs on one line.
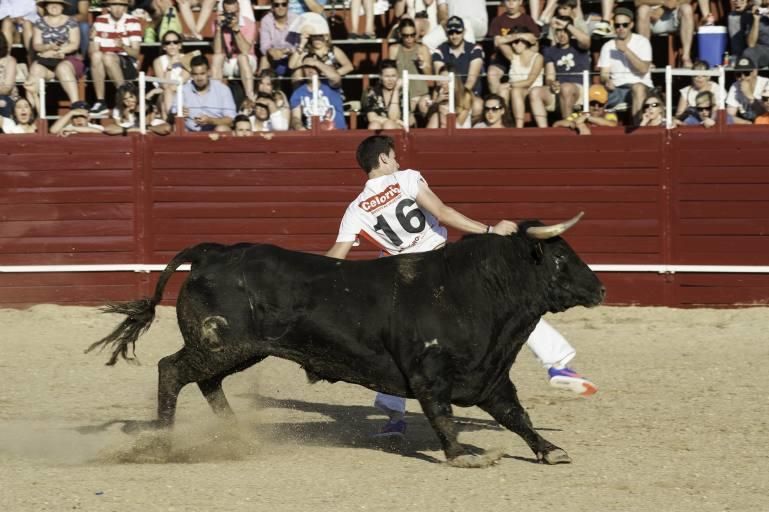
[[339, 250]]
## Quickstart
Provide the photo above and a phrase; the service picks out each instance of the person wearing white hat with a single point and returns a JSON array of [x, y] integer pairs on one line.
[[115, 45]]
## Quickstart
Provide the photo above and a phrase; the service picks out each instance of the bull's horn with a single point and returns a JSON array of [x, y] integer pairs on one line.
[[544, 232]]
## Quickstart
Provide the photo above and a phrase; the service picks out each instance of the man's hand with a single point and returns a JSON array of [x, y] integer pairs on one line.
[[203, 120], [609, 85], [621, 45], [505, 227], [708, 122]]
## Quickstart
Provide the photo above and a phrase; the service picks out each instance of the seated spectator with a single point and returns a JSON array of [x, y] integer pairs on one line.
[[667, 17], [76, 120], [564, 63], [267, 83], [526, 67], [495, 113], [653, 111], [473, 14], [18, 14], [763, 117], [198, 26], [595, 116], [439, 105], [758, 35], [125, 115], [172, 64], [234, 47], [208, 104], [23, 119], [7, 78], [56, 39], [330, 107], [703, 113], [423, 12], [570, 8], [743, 94], [115, 46], [303, 6], [501, 30], [273, 30], [264, 114], [625, 64], [368, 26], [412, 57], [381, 102], [320, 47], [466, 58], [738, 21], [241, 126], [700, 83]]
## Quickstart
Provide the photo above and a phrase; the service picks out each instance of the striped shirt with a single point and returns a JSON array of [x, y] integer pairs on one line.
[[107, 31]]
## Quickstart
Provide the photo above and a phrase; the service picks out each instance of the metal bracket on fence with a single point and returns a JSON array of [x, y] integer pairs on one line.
[[405, 81]]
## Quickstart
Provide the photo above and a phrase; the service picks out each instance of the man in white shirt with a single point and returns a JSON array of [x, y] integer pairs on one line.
[[399, 213], [625, 64]]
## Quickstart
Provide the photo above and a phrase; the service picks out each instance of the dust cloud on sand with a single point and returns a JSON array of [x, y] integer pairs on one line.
[[678, 424]]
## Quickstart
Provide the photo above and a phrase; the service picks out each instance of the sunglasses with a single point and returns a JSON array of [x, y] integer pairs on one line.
[[261, 105], [454, 32], [744, 73], [596, 104], [622, 25], [704, 107], [171, 41], [650, 105], [764, 98], [493, 108], [280, 4], [404, 35]]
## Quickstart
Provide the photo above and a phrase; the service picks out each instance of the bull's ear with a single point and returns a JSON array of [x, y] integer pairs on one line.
[[537, 254]]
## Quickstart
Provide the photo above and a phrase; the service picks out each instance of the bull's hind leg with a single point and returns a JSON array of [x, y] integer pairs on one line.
[[214, 394], [504, 407], [433, 390]]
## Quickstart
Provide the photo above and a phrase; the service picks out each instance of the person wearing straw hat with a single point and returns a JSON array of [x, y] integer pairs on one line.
[[116, 37], [745, 91]]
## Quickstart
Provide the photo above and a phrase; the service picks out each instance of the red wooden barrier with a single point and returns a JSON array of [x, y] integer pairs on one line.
[[688, 197]]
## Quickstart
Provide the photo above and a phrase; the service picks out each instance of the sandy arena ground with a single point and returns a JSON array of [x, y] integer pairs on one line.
[[680, 423]]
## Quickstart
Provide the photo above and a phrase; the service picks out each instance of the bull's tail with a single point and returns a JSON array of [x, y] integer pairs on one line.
[[141, 312]]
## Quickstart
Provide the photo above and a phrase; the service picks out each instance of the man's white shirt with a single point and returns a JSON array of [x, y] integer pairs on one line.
[[620, 69], [387, 214]]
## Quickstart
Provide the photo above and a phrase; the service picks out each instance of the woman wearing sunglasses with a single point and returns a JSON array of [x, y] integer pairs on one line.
[[653, 113], [526, 66], [700, 83], [172, 64], [495, 114], [415, 58]]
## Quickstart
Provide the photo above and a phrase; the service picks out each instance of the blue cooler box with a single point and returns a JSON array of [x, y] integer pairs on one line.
[[711, 40]]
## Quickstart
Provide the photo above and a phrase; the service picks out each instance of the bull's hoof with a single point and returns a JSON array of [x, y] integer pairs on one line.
[[137, 427], [555, 456], [472, 460]]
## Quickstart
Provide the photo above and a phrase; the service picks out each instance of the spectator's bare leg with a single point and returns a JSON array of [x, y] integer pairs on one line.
[[494, 77], [65, 73], [246, 75], [369, 17], [217, 66], [686, 15], [375, 125], [113, 69], [169, 97], [31, 86], [391, 125], [549, 11], [704, 6], [477, 109], [518, 104], [98, 74], [568, 96], [206, 8], [607, 9], [7, 29], [642, 23], [534, 9], [539, 97], [639, 92], [399, 8]]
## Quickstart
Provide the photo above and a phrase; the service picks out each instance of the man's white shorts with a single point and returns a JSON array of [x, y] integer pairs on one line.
[[231, 68]]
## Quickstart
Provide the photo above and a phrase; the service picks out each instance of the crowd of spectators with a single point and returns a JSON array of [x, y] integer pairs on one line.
[[246, 68]]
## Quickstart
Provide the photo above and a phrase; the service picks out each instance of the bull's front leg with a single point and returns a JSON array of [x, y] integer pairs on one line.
[[503, 406], [432, 387]]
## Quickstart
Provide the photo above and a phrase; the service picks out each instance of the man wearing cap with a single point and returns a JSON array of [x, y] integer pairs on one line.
[[75, 121], [115, 45], [625, 64], [595, 116], [565, 61], [466, 58], [745, 94], [758, 35], [667, 17]]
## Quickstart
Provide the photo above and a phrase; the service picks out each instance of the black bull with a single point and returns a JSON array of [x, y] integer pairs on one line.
[[443, 327]]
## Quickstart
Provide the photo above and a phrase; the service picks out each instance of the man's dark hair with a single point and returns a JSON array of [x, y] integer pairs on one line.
[[240, 118], [230, 2], [199, 60], [371, 149], [386, 64]]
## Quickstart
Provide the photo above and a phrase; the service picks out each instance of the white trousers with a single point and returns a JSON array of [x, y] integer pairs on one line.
[[548, 345]]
